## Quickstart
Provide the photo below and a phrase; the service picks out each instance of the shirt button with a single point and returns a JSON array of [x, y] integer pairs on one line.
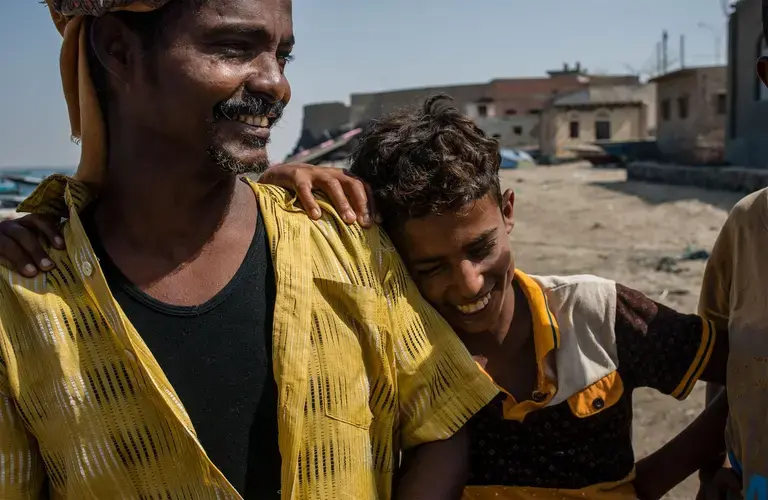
[[598, 404], [87, 268]]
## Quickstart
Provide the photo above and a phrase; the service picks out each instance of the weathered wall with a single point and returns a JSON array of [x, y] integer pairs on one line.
[[743, 180], [747, 128], [628, 123], [700, 135]]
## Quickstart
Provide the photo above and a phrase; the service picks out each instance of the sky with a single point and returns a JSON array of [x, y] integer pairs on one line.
[[350, 46]]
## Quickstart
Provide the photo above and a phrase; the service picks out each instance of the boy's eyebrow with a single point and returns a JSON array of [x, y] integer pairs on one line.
[[482, 239]]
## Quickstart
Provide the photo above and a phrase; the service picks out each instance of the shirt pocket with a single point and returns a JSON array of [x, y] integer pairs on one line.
[[347, 341], [597, 397]]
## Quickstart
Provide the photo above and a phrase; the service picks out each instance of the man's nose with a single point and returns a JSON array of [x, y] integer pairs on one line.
[[469, 280], [267, 79]]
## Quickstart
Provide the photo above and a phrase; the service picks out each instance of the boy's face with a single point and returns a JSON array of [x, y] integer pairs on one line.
[[463, 265]]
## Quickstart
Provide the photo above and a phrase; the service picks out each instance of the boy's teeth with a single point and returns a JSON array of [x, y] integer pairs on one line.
[[477, 306]]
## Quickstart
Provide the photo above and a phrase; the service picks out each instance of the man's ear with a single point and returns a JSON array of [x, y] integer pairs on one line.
[[115, 46], [508, 209], [762, 70]]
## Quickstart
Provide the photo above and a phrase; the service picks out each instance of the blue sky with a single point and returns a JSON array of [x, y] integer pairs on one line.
[[346, 46]]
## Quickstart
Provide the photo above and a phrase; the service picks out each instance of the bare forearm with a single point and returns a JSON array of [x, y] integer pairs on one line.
[[692, 449], [436, 471], [711, 467]]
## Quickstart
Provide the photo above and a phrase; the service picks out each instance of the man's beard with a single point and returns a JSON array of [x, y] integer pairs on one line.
[[246, 104], [231, 165]]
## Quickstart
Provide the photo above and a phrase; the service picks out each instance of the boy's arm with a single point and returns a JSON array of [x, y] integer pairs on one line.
[[690, 450], [663, 349], [440, 387], [670, 351], [435, 471]]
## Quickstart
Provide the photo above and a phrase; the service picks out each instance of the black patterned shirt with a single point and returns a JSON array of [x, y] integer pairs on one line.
[[596, 341]]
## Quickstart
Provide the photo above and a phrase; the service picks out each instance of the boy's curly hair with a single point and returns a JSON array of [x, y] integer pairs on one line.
[[426, 160]]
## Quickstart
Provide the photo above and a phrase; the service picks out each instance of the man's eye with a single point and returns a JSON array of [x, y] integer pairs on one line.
[[233, 49], [285, 58]]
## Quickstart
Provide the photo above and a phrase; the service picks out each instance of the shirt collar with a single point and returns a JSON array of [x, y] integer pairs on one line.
[[546, 332], [57, 195]]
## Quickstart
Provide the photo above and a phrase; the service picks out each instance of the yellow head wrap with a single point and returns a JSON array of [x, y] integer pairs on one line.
[[85, 116]]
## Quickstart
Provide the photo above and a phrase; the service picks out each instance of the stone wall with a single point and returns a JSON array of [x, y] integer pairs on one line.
[[743, 180]]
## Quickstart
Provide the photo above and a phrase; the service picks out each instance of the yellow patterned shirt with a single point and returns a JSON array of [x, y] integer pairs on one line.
[[364, 368]]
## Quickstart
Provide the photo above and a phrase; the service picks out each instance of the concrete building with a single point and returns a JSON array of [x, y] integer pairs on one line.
[[617, 113], [509, 107], [747, 120], [512, 132], [691, 111]]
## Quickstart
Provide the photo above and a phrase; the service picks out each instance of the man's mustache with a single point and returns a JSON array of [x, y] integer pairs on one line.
[[250, 105]]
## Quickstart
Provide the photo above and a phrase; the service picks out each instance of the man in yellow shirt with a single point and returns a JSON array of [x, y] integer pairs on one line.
[[200, 337]]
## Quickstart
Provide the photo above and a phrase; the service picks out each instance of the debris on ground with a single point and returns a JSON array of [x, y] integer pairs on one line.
[[669, 264], [694, 254]]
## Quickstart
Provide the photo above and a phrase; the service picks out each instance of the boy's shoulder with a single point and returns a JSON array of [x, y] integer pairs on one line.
[[580, 292]]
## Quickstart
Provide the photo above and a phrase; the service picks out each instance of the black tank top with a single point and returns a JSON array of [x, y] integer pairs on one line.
[[218, 358]]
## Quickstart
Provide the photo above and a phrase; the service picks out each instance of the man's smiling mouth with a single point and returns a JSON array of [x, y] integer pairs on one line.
[[253, 120]]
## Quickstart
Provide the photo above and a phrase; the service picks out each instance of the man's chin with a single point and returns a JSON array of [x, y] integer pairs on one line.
[[254, 161]]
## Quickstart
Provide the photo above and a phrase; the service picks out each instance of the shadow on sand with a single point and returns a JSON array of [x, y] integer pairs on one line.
[[657, 194]]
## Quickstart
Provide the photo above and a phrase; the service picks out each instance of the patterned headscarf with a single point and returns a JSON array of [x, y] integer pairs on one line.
[[85, 115]]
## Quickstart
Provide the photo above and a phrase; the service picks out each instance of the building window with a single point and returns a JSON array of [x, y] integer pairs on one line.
[[482, 110], [574, 129], [682, 107], [721, 103], [534, 112], [511, 112], [666, 111], [602, 130], [517, 130]]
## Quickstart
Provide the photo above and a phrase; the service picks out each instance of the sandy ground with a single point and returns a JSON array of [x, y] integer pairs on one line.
[[580, 220]]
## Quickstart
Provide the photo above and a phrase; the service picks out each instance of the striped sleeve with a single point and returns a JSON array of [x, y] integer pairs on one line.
[[658, 347], [22, 475], [440, 387]]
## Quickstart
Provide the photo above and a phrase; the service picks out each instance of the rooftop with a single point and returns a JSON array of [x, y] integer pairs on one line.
[[616, 94], [684, 72]]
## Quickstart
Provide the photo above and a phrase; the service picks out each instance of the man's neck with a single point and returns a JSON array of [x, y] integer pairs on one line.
[[163, 207]]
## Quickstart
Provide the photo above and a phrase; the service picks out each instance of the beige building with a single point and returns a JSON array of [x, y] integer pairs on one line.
[[507, 107], [597, 114], [520, 131], [691, 107]]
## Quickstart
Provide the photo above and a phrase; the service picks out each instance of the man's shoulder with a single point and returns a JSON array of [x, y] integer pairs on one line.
[[349, 249]]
